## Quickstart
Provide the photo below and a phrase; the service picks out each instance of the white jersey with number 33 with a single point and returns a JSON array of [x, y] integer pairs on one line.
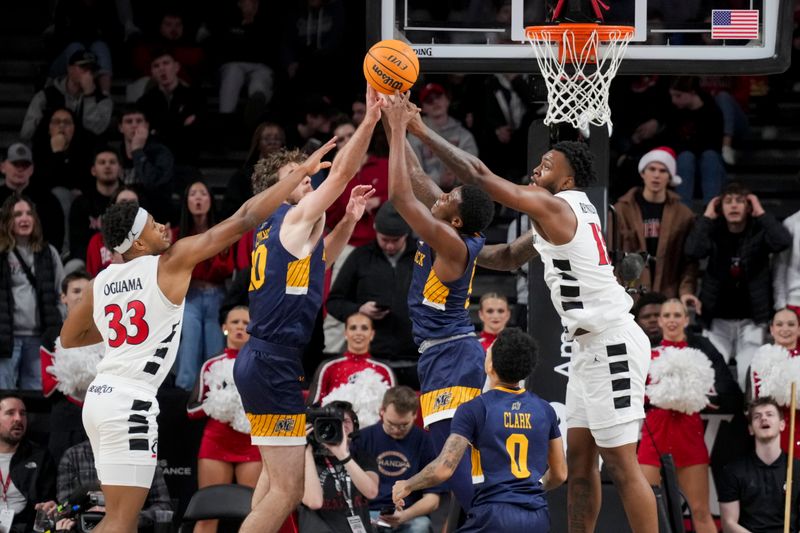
[[141, 328], [579, 274]]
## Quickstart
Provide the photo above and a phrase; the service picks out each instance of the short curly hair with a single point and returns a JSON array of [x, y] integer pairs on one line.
[[476, 209], [514, 355], [265, 171], [117, 222], [580, 158]]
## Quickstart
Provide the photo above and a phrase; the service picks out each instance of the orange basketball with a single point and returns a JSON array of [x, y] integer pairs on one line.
[[390, 66]]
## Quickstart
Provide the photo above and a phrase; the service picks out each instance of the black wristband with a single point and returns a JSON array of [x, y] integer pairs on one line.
[[346, 459]]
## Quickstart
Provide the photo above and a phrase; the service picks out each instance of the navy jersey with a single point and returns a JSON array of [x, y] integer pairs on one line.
[[397, 459], [438, 309], [285, 292], [512, 430]]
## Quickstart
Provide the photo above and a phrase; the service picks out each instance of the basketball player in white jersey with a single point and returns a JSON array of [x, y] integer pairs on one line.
[[611, 354], [136, 309]]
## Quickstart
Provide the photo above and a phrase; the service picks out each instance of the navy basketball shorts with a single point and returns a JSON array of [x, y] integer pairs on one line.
[[268, 378], [495, 517], [450, 374]]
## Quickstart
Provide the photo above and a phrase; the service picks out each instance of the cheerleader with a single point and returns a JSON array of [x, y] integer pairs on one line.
[[680, 432], [225, 450], [771, 371]]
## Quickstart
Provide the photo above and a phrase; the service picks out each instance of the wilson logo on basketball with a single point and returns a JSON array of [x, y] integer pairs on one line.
[[386, 79], [284, 425]]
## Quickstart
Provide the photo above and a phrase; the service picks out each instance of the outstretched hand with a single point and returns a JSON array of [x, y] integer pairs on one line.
[[314, 162], [399, 492], [375, 102], [358, 201], [399, 110]]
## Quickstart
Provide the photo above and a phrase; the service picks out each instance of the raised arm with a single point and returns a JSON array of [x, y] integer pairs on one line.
[[547, 210], [345, 165], [441, 236], [438, 471], [425, 189], [79, 328], [508, 256], [182, 256], [336, 240]]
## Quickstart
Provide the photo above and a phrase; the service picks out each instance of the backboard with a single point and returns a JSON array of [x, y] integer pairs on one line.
[[672, 36]]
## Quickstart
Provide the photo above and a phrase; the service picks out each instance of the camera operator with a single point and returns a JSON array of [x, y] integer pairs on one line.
[[338, 485]]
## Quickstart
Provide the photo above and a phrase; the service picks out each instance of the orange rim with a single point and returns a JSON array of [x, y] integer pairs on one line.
[[581, 31]]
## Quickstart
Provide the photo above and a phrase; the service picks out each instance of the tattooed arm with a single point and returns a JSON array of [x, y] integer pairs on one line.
[[439, 470], [508, 256]]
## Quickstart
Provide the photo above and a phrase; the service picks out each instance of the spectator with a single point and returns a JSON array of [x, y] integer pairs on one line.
[[225, 451], [652, 220], [494, 314], [30, 277], [30, 469], [401, 449], [785, 332], [18, 169], [646, 311], [694, 129], [77, 469], [736, 292], [732, 95], [201, 336], [338, 483], [98, 256], [84, 216], [336, 372], [374, 281], [787, 269], [752, 489], [77, 92], [268, 138], [171, 36], [245, 48], [61, 157], [66, 423], [681, 434], [147, 165], [435, 106], [174, 107]]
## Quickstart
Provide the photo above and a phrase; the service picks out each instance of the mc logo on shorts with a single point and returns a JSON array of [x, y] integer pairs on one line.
[[284, 425], [442, 400]]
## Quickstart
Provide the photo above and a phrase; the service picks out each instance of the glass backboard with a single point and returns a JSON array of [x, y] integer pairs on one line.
[[672, 36]]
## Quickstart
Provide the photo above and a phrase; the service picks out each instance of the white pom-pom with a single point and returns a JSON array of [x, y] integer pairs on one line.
[[680, 380], [769, 365], [75, 368], [777, 380], [365, 390], [222, 402]]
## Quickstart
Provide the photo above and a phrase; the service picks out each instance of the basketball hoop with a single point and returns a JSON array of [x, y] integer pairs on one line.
[[578, 72]]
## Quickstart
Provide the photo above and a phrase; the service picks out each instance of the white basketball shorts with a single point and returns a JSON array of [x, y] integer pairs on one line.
[[119, 416], [606, 384]]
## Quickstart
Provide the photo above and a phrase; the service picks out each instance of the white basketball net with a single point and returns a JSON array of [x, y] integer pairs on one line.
[[576, 94]]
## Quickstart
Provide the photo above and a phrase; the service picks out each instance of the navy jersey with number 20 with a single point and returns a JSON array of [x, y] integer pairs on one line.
[[512, 429]]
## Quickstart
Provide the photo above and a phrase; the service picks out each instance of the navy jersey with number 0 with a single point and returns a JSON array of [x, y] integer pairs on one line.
[[285, 291], [512, 429], [438, 309]]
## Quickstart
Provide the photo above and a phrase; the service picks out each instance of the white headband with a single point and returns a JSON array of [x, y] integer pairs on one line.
[[134, 233]]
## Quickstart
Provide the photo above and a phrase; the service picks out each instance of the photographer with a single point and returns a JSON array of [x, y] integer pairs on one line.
[[338, 485]]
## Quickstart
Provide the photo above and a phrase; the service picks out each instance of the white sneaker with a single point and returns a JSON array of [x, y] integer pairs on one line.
[[728, 155]]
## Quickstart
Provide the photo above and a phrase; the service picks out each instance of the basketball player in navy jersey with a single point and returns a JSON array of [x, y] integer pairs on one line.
[[290, 256], [520, 445], [610, 354], [451, 357], [136, 309]]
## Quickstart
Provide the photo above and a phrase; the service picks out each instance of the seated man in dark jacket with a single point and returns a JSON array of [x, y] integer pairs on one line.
[[32, 483]]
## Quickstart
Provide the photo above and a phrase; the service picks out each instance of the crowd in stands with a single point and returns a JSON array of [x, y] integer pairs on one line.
[[723, 281]]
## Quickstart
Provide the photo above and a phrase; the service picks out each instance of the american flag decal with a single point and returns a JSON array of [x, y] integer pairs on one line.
[[734, 24]]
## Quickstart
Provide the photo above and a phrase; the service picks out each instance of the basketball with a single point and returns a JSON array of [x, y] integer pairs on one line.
[[390, 66]]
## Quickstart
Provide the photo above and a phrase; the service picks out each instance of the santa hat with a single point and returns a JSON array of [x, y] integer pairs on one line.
[[664, 155]]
